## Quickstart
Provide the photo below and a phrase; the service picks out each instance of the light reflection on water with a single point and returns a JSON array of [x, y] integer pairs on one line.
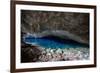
[[53, 42]]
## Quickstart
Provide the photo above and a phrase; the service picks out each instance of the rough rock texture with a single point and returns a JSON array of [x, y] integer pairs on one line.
[[39, 21], [34, 54], [30, 53], [64, 54], [67, 24]]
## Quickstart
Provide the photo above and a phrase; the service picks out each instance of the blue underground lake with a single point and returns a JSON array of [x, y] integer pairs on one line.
[[53, 42]]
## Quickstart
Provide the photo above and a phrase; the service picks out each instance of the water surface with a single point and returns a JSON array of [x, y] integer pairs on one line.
[[53, 42]]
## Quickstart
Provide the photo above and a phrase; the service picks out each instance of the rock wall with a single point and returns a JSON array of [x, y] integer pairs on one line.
[[40, 21]]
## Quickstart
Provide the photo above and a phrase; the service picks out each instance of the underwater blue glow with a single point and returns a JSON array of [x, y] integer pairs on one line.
[[53, 42]]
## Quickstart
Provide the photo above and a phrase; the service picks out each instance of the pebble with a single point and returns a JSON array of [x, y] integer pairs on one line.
[[64, 54]]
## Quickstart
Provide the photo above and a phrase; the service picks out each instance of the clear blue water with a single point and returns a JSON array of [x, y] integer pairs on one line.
[[53, 42]]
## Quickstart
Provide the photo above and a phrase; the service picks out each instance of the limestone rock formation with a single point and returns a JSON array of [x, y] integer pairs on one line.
[[41, 21]]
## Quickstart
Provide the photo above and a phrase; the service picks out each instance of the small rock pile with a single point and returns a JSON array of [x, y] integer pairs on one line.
[[67, 54]]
